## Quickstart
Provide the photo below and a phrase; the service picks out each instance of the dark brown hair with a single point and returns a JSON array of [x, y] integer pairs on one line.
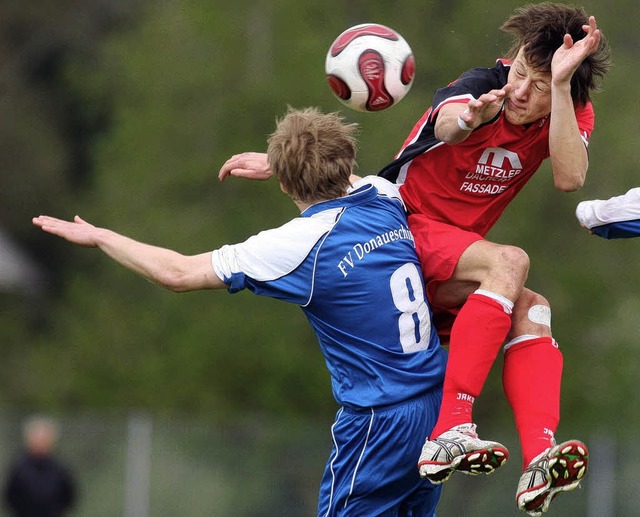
[[540, 28]]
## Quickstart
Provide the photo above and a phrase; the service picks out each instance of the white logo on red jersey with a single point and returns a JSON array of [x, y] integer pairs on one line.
[[495, 167], [498, 157]]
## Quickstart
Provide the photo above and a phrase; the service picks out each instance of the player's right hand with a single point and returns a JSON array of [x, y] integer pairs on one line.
[[78, 231], [250, 165], [485, 107]]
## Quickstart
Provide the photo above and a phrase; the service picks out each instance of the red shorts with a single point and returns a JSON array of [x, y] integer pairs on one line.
[[439, 246]]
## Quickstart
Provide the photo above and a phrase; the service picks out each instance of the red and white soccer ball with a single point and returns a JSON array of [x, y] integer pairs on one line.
[[370, 67]]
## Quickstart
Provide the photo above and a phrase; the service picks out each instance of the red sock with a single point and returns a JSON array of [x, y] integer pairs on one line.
[[531, 379], [476, 337]]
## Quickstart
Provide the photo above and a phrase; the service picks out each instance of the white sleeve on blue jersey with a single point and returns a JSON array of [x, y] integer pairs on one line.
[[273, 253], [598, 212]]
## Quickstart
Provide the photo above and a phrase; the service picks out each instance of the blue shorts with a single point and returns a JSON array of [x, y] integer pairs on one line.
[[373, 467]]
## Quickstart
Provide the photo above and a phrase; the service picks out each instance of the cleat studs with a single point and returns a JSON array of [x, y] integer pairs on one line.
[[582, 451], [563, 462], [566, 474], [499, 454], [555, 474], [474, 456], [578, 464], [581, 472], [566, 450]]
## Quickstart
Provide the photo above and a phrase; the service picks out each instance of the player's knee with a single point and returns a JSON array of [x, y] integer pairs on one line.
[[516, 258], [511, 264], [531, 315], [530, 299]]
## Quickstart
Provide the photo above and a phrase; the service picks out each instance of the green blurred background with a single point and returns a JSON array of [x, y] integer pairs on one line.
[[123, 111]]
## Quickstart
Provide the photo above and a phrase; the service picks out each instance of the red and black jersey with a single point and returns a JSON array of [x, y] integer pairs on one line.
[[470, 184]]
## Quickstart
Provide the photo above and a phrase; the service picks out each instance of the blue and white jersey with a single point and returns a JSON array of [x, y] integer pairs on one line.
[[614, 218], [350, 264]]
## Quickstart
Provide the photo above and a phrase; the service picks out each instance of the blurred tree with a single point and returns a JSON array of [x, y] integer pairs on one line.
[[123, 112]]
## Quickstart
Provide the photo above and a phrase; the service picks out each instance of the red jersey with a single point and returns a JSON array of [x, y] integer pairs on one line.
[[470, 184]]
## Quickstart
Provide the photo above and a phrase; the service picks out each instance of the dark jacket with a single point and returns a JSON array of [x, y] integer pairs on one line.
[[38, 487]]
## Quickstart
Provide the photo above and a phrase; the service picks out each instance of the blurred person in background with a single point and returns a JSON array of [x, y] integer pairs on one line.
[[37, 483], [349, 262], [617, 217]]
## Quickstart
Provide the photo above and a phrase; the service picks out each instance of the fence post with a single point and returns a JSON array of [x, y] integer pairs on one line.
[[601, 481], [138, 465]]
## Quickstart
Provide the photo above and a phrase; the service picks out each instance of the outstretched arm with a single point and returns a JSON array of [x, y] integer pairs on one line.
[[254, 166], [165, 267]]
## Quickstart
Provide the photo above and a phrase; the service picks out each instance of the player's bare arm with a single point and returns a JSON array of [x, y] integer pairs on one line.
[[456, 121], [255, 166], [165, 267], [248, 165], [568, 152], [567, 149]]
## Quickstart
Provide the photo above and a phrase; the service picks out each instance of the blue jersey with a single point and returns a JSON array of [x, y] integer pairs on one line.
[[614, 218], [350, 264]]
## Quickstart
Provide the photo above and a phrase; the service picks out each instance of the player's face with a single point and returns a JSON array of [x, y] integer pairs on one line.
[[530, 99]]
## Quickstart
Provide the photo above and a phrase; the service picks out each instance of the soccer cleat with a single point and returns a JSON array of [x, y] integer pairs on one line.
[[558, 469], [460, 450]]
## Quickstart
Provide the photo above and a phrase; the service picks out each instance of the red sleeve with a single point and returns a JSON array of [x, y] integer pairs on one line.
[[585, 117], [458, 99]]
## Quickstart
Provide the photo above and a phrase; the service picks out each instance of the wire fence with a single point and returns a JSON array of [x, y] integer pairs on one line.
[[136, 466]]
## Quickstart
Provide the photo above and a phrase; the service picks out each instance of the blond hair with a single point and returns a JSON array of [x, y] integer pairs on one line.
[[313, 154]]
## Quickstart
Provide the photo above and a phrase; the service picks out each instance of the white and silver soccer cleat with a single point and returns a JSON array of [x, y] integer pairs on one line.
[[558, 469], [460, 450]]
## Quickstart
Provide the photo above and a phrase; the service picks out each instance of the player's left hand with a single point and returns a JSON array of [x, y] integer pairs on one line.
[[248, 165], [568, 57]]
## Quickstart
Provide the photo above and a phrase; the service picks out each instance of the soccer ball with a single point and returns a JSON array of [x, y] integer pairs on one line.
[[370, 67]]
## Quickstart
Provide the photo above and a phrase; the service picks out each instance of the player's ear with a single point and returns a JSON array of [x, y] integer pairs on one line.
[[282, 188]]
